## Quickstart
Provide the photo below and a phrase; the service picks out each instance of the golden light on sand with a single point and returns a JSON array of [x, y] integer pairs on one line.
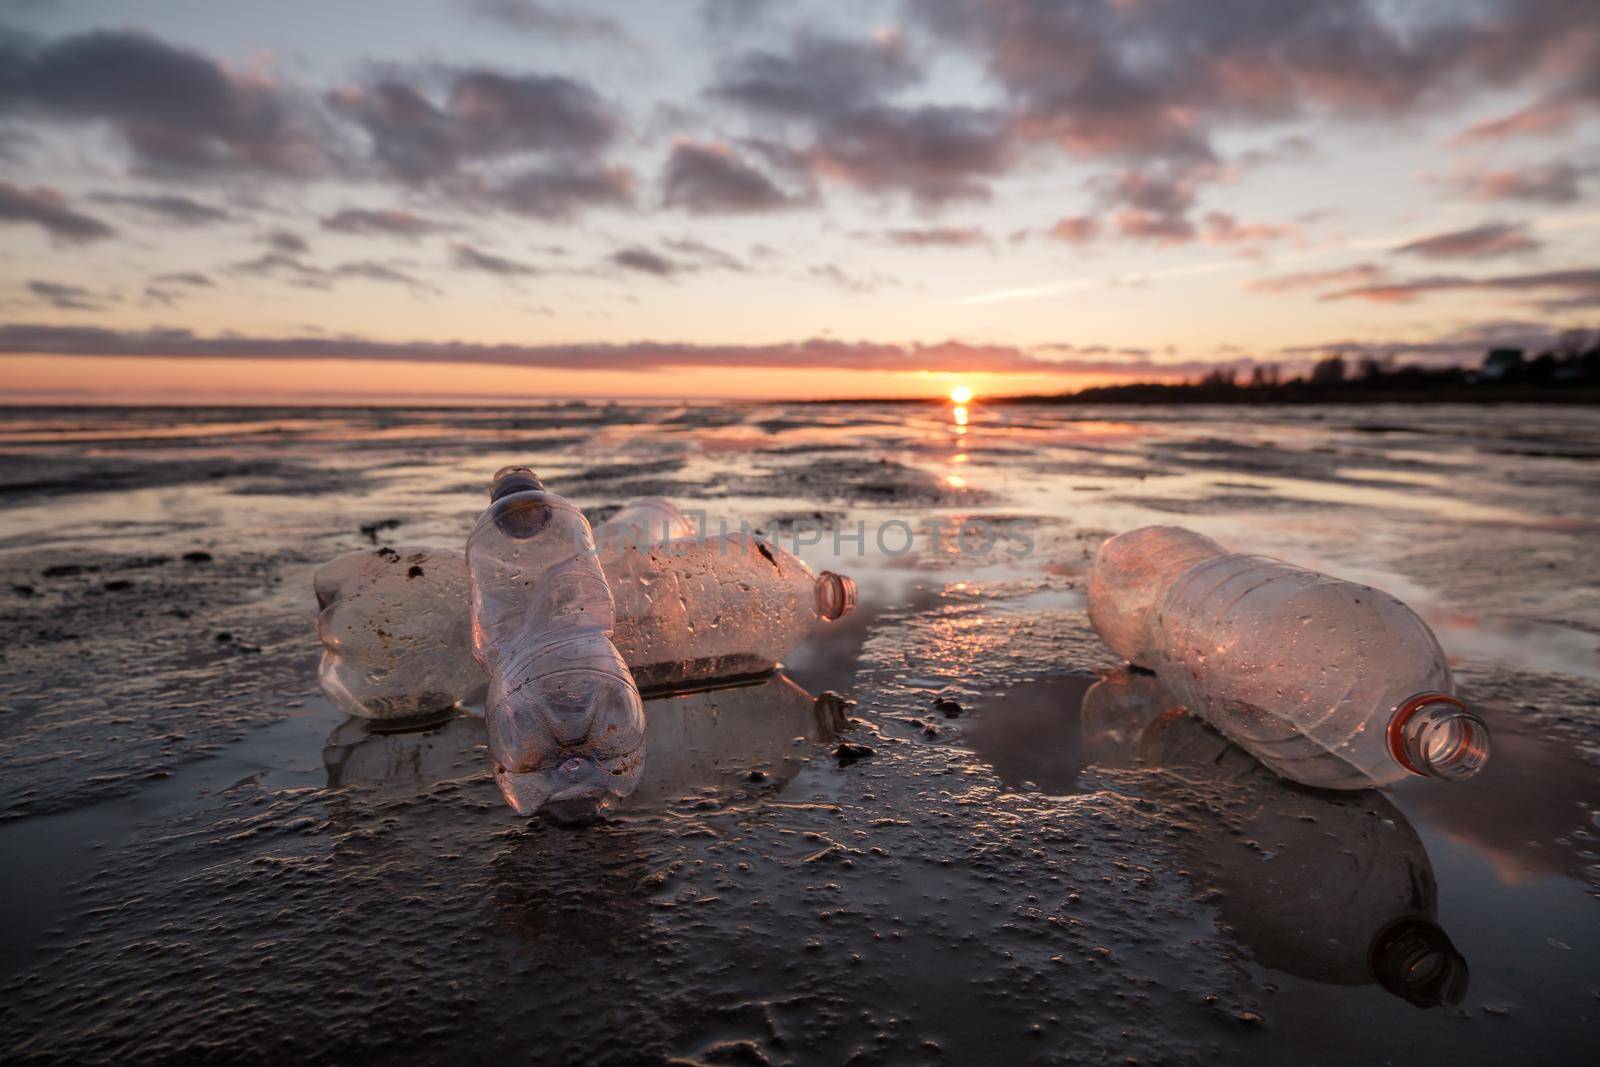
[[960, 394]]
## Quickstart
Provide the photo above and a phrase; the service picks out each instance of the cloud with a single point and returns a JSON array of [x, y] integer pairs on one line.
[[1479, 242], [383, 223], [1151, 204], [543, 20], [1358, 275], [558, 194], [709, 179], [480, 115], [934, 154], [467, 257], [816, 353], [66, 297], [931, 236], [180, 210], [191, 278], [703, 255], [835, 275], [285, 266], [1223, 228], [48, 209], [644, 261], [369, 270], [285, 241], [176, 110], [1576, 288], [1555, 182], [1540, 119], [1156, 80], [820, 77], [837, 92], [1076, 229]]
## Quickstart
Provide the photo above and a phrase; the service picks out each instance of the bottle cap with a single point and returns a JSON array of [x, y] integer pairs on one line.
[[1435, 735], [836, 595]]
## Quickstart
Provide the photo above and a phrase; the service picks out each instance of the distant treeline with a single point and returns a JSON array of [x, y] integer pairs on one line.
[[1505, 376]]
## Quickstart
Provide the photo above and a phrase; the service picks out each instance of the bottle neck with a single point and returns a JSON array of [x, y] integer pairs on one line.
[[508, 480], [1434, 734], [836, 595]]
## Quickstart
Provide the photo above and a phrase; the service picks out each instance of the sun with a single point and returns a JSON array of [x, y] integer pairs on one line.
[[960, 394]]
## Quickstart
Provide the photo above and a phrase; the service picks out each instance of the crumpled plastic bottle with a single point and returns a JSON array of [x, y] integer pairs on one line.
[[565, 722], [394, 630], [1327, 682]]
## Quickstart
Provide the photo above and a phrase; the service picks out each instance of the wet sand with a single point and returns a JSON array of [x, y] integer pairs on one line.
[[205, 860]]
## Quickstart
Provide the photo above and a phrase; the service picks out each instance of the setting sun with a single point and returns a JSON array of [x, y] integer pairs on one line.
[[960, 394]]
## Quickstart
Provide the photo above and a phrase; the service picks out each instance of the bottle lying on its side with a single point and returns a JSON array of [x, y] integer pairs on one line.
[[1327, 682], [686, 609]]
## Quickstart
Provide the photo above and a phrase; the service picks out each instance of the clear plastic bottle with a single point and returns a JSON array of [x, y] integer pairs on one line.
[[651, 520], [395, 634], [717, 607], [1131, 572], [1327, 682], [565, 722]]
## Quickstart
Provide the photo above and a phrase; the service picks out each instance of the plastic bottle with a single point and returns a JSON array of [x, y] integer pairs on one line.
[[717, 607], [395, 633], [685, 608], [565, 722], [1327, 682]]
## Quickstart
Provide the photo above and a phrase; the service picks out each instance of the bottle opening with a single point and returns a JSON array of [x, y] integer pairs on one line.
[[836, 595], [1435, 735], [508, 480]]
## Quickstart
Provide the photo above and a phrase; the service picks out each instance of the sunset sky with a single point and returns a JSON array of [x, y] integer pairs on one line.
[[501, 199]]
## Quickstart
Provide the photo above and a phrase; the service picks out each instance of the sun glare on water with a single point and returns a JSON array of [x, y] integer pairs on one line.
[[960, 394]]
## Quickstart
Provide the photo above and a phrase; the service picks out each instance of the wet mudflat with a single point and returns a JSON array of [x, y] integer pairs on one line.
[[991, 846]]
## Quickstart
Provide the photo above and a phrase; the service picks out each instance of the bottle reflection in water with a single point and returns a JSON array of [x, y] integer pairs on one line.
[[754, 735], [362, 753], [1331, 886]]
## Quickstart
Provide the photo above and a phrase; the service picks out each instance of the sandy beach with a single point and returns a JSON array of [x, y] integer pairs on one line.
[[945, 863]]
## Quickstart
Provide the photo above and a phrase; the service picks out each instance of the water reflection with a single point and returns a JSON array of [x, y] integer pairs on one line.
[[363, 752], [754, 734], [1333, 887]]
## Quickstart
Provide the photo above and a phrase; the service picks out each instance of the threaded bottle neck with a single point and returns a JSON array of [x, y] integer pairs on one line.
[[508, 480], [1434, 734], [836, 595]]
